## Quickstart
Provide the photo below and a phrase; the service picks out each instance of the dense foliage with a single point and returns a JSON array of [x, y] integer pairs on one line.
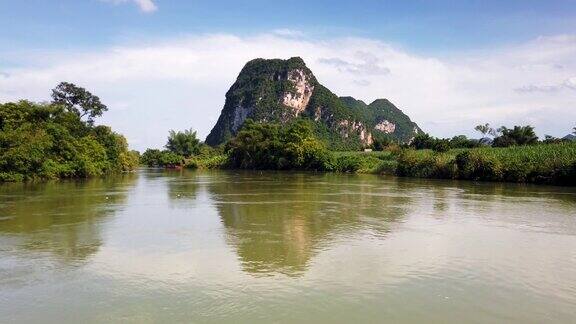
[[183, 143], [296, 146], [158, 158], [48, 141], [519, 135], [273, 146], [183, 149], [79, 101], [423, 141]]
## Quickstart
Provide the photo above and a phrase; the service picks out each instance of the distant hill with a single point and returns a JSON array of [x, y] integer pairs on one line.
[[282, 90], [384, 119]]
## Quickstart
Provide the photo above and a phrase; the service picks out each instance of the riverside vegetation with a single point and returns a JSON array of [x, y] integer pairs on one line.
[[276, 116], [59, 139], [516, 155]]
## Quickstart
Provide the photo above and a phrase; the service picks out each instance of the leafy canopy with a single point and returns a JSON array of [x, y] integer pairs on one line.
[[278, 147], [78, 100], [183, 143], [47, 141], [486, 130], [519, 135]]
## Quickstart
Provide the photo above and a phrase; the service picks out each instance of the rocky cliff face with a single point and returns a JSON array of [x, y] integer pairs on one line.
[[283, 90], [384, 119], [303, 89]]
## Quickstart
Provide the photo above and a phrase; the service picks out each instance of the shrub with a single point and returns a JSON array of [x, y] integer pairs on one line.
[[419, 164], [171, 159], [347, 163], [183, 143], [157, 158], [272, 146], [208, 162], [445, 167], [441, 146], [478, 165]]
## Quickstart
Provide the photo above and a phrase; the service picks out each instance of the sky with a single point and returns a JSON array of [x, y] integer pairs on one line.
[[167, 64]]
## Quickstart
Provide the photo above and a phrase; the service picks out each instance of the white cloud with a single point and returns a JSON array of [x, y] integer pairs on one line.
[[368, 64], [147, 6], [568, 84], [288, 32], [181, 83]]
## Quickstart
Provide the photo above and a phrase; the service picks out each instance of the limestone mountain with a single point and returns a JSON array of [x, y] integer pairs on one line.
[[282, 90], [384, 119]]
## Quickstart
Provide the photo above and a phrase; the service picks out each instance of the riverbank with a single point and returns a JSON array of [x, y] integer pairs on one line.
[[541, 164]]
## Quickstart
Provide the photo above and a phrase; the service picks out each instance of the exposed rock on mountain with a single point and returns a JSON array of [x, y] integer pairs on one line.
[[283, 90]]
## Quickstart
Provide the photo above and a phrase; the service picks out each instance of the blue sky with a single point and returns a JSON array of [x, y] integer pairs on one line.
[[46, 36], [420, 25]]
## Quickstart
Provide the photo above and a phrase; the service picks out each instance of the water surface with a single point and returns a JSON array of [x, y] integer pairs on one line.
[[159, 247]]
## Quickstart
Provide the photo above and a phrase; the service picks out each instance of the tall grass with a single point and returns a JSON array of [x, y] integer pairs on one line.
[[545, 163], [365, 162]]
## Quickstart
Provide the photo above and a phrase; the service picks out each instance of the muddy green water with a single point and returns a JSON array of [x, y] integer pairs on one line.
[[235, 247]]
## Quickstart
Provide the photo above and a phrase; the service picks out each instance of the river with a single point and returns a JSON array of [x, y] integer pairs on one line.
[[277, 247]]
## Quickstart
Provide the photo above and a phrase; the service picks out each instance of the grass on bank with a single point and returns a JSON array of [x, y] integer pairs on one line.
[[543, 163]]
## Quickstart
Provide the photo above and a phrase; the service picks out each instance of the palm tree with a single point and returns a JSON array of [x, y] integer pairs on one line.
[[520, 135]]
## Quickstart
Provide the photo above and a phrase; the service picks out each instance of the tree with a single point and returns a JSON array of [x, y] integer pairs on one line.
[[275, 146], [519, 135], [45, 141], [381, 143], [423, 141], [183, 143], [461, 141], [549, 139], [151, 157], [79, 101], [486, 130], [157, 158]]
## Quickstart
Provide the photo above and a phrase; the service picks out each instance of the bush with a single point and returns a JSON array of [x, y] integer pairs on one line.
[[157, 158], [183, 143], [441, 146], [276, 147], [208, 162], [419, 164], [478, 165], [445, 167], [347, 163], [504, 141], [426, 142], [171, 159]]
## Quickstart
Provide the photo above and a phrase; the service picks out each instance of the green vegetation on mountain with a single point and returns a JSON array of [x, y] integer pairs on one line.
[[281, 91], [256, 94], [381, 110], [59, 139]]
